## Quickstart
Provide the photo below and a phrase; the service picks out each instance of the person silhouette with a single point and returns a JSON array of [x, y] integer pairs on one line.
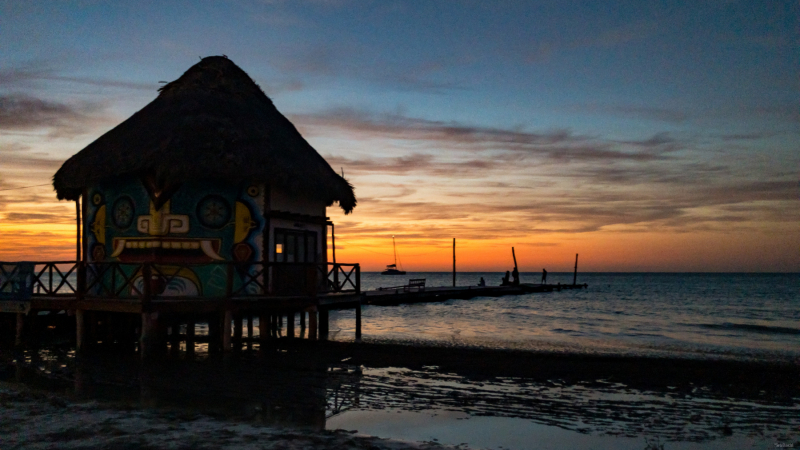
[[515, 274], [505, 279], [544, 276], [482, 282]]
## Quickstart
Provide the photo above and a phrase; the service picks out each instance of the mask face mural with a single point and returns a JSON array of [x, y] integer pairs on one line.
[[201, 223]]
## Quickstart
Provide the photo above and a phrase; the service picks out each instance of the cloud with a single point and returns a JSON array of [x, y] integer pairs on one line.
[[31, 74], [747, 136], [645, 112], [30, 218], [19, 112], [559, 145]]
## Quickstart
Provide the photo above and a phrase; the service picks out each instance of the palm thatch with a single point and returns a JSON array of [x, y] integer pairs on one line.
[[213, 122]]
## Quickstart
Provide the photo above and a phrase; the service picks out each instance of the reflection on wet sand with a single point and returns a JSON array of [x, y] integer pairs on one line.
[[305, 386]]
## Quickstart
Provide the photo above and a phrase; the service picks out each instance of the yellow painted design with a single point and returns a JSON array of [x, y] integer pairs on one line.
[[244, 223], [99, 225], [160, 222]]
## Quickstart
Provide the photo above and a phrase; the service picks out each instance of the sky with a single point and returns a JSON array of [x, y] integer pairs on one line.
[[644, 136]]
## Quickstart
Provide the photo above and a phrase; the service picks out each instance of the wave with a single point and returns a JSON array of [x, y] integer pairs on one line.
[[748, 327]]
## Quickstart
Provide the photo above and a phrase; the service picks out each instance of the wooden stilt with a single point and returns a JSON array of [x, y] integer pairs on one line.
[[92, 329], [273, 324], [237, 328], [190, 335], [302, 324], [148, 341], [312, 323], [226, 331], [358, 322], [249, 332], [214, 334], [175, 336], [290, 325], [263, 327], [20, 329], [108, 340], [323, 324], [80, 330]]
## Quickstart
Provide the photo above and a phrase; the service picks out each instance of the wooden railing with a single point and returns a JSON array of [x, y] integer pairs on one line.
[[220, 280]]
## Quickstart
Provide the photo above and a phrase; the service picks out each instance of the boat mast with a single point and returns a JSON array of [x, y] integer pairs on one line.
[[394, 247]]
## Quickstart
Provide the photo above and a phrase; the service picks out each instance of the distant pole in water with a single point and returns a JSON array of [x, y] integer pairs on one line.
[[454, 262], [575, 275], [515, 257]]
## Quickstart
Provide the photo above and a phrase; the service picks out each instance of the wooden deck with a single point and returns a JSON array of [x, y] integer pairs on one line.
[[104, 297]]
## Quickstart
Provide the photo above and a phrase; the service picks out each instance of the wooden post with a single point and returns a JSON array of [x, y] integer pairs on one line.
[[250, 326], [20, 328], [80, 329], [148, 339], [575, 274], [454, 262], [333, 242], [312, 323], [237, 328], [190, 335], [336, 286], [290, 324], [263, 329], [229, 282], [78, 245], [147, 286], [174, 338], [358, 321], [302, 324], [226, 331], [323, 324], [358, 279], [214, 337]]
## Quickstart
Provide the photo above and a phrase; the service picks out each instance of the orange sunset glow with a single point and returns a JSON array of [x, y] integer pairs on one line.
[[556, 140]]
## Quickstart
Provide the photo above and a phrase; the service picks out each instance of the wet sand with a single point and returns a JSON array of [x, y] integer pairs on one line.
[[31, 419], [287, 395]]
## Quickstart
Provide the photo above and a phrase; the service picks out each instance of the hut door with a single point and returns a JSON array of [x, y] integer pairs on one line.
[[297, 251]]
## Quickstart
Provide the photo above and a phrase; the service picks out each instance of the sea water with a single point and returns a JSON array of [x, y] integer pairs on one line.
[[701, 316], [740, 316]]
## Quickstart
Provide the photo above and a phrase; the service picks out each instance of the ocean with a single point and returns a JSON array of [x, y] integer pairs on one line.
[[691, 315], [697, 361]]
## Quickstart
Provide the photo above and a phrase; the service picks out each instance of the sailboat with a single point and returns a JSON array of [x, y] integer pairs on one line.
[[391, 269]]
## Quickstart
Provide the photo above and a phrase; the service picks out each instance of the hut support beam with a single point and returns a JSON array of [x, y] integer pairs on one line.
[[312, 323], [148, 341], [358, 322], [323, 324], [290, 324], [262, 327], [190, 335], [80, 330], [20, 329], [226, 331]]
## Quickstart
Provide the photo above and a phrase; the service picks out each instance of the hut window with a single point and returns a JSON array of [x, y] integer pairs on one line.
[[293, 246]]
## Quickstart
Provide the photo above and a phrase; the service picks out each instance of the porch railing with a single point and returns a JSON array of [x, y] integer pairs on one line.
[[217, 280]]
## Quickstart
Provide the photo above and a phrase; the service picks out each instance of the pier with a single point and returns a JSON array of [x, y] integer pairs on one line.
[[109, 305]]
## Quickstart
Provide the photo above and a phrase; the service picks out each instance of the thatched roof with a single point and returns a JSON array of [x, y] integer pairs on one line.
[[213, 122]]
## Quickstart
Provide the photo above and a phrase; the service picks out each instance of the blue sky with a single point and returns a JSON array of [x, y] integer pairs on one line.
[[557, 124]]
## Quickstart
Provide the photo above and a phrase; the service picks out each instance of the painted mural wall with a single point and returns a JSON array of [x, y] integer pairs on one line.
[[201, 223]]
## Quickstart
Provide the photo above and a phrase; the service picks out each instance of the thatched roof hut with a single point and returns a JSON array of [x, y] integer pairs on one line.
[[213, 122]]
